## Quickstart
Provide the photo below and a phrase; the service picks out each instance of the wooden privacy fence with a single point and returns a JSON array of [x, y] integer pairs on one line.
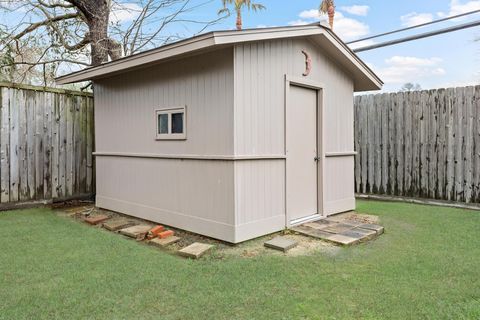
[[419, 144], [46, 143]]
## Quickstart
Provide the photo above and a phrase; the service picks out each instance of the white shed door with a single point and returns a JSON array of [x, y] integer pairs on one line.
[[301, 149]]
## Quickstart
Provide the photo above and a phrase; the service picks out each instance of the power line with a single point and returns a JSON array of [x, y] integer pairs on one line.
[[415, 26], [420, 36]]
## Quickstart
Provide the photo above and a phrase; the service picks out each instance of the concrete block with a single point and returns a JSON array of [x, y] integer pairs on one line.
[[338, 228], [195, 250], [320, 224], [315, 233], [164, 242], [343, 240], [281, 243], [93, 220], [117, 224], [360, 234], [138, 232], [375, 227]]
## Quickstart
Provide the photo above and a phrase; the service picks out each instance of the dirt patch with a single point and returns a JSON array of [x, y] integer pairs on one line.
[[354, 216], [306, 246], [249, 249]]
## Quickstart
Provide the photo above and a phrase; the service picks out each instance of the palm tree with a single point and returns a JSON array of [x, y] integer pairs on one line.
[[238, 6], [328, 7]]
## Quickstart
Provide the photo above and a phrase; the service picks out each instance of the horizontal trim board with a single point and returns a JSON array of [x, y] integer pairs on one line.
[[304, 82], [189, 156], [340, 154], [21, 86]]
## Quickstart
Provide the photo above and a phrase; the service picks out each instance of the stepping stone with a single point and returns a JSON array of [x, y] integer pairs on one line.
[[93, 220], [281, 244], [320, 234], [352, 223], [319, 225], [195, 250], [375, 227], [338, 228], [164, 242], [117, 224], [343, 240], [138, 232], [360, 234]]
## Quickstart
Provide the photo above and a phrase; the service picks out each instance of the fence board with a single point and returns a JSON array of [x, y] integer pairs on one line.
[[16, 100], [419, 144], [46, 143]]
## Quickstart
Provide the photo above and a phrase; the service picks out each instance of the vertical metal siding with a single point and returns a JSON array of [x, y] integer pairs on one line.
[[195, 195], [259, 112], [126, 114]]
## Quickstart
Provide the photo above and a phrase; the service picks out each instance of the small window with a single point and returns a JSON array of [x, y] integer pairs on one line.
[[171, 124]]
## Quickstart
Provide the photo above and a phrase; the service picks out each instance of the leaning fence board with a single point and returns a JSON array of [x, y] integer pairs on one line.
[[422, 144], [46, 137]]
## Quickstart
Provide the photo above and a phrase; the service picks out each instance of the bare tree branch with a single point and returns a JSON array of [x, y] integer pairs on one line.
[[49, 33], [37, 25]]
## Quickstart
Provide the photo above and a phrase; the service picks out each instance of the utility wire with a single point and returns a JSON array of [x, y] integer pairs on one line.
[[419, 36], [415, 26]]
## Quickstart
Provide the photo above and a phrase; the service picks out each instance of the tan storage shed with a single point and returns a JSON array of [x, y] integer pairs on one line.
[[231, 134]]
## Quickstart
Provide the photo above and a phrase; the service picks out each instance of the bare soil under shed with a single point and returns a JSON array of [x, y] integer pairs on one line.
[[222, 250]]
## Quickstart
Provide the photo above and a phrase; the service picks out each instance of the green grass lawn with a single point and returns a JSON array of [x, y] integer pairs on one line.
[[426, 266]]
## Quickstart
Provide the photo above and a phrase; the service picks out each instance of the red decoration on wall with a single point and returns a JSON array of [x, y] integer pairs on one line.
[[308, 63]]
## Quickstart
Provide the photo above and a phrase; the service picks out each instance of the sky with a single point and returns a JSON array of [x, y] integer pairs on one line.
[[442, 61], [447, 60]]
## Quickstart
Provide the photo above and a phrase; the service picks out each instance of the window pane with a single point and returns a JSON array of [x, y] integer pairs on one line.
[[163, 123], [177, 122]]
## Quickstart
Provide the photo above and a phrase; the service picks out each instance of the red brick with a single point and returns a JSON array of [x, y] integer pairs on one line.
[[166, 234], [96, 219], [157, 229]]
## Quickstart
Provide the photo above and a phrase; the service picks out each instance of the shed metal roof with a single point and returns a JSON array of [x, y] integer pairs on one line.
[[364, 78]]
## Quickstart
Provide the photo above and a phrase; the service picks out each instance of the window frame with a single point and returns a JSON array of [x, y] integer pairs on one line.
[[169, 111]]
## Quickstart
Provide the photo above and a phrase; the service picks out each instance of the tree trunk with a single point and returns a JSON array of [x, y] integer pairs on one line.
[[96, 14], [239, 19], [98, 36]]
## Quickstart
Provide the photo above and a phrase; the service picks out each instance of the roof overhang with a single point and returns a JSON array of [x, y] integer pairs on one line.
[[364, 78]]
